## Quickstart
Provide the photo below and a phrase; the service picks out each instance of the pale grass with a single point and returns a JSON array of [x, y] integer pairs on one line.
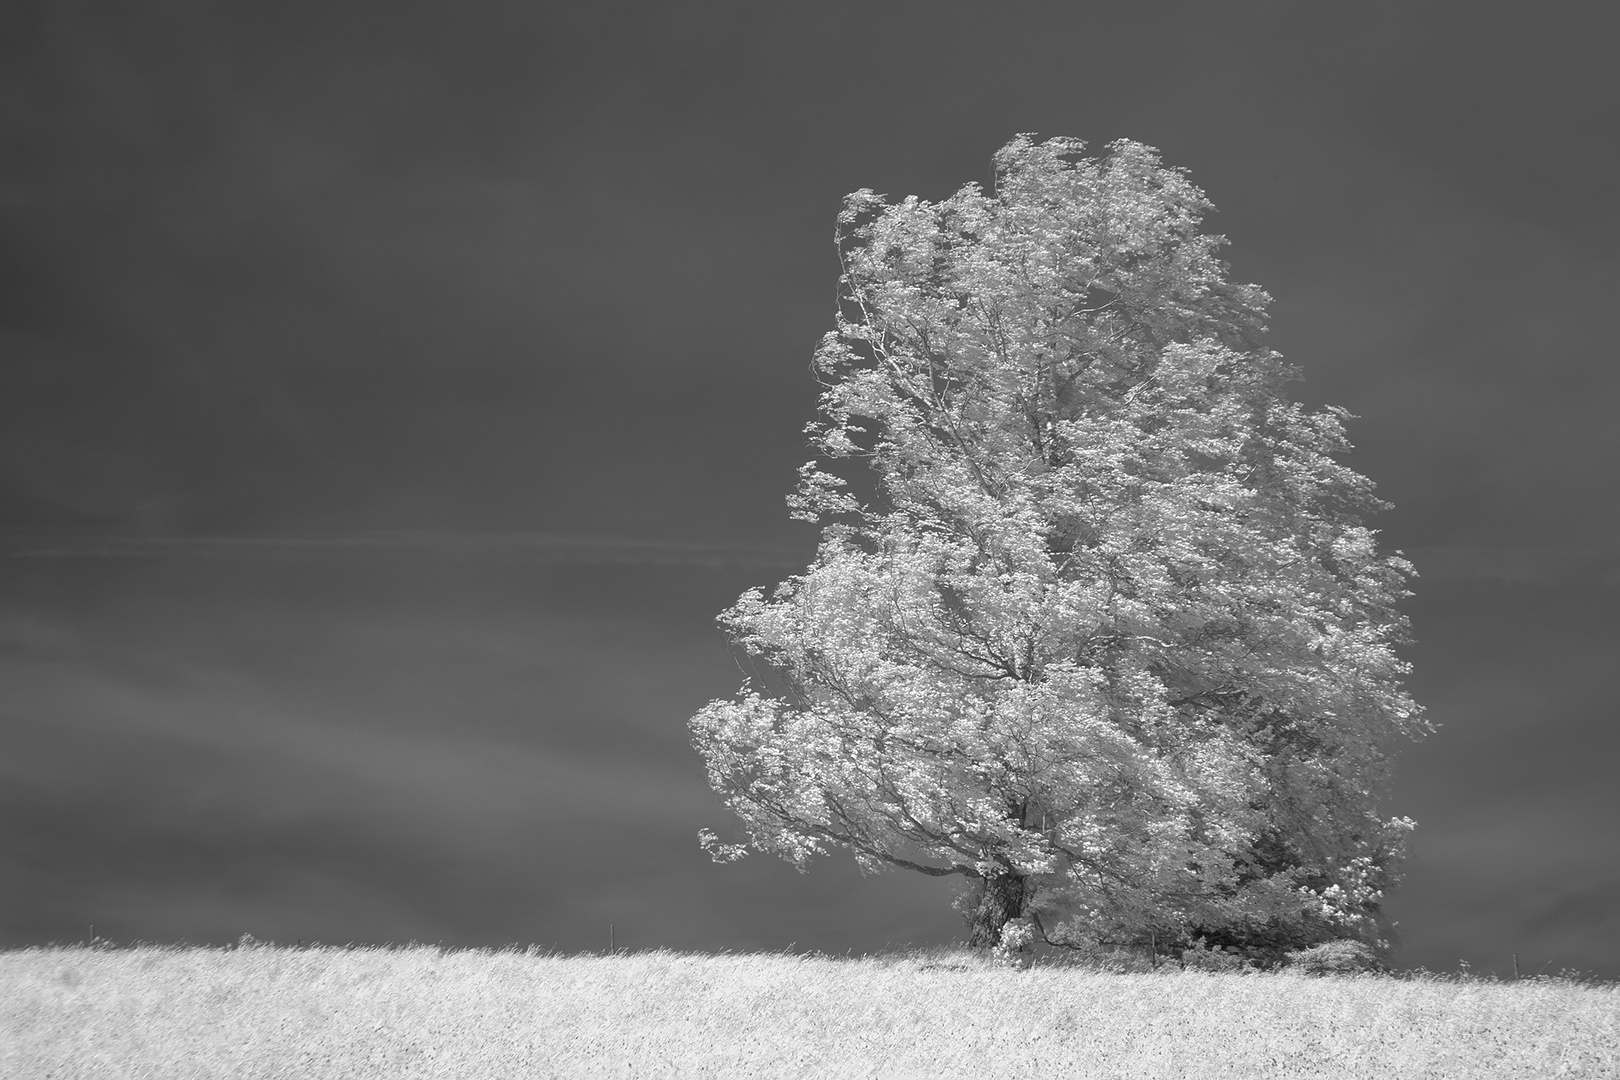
[[400, 1014]]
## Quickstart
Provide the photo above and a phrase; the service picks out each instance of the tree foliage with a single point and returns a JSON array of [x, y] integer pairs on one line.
[[1103, 632]]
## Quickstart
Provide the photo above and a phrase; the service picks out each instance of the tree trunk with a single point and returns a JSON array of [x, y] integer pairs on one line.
[[1000, 899]]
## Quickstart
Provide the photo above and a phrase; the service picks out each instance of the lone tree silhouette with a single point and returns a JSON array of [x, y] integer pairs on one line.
[[1105, 633]]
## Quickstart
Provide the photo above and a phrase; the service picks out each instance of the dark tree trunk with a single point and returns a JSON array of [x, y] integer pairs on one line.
[[1000, 899]]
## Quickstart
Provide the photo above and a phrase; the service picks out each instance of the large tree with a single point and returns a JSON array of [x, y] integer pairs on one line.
[[1099, 627]]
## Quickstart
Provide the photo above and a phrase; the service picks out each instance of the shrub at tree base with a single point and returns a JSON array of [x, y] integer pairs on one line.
[[1199, 956], [1098, 627], [1335, 958]]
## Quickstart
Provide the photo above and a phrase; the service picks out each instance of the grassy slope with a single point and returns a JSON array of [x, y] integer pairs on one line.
[[419, 1012]]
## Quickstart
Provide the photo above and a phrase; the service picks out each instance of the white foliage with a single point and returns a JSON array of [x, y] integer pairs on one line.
[[1110, 620]]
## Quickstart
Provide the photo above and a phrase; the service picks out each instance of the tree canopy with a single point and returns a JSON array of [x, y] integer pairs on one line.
[[1099, 627]]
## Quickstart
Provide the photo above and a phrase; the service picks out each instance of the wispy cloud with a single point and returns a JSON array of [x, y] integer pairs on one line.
[[517, 547], [1434, 564], [1598, 566]]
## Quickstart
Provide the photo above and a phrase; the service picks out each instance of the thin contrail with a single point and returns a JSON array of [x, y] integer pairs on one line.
[[519, 547], [1434, 564], [1528, 565]]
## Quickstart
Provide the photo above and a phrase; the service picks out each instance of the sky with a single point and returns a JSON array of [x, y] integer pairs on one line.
[[392, 394]]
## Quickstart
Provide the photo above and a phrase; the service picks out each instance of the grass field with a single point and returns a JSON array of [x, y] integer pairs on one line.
[[419, 1012]]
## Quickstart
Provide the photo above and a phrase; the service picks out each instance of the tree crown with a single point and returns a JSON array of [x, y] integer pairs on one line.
[[1106, 632]]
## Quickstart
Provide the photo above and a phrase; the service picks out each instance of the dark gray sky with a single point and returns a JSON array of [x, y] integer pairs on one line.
[[392, 393]]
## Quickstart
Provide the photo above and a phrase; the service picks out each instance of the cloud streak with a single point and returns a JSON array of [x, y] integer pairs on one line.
[[1528, 565], [542, 548]]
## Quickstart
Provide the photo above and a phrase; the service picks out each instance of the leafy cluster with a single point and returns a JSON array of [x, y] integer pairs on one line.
[[1343, 957], [1103, 630]]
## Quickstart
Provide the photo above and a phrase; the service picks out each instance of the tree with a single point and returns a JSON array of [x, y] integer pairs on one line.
[[1102, 630]]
